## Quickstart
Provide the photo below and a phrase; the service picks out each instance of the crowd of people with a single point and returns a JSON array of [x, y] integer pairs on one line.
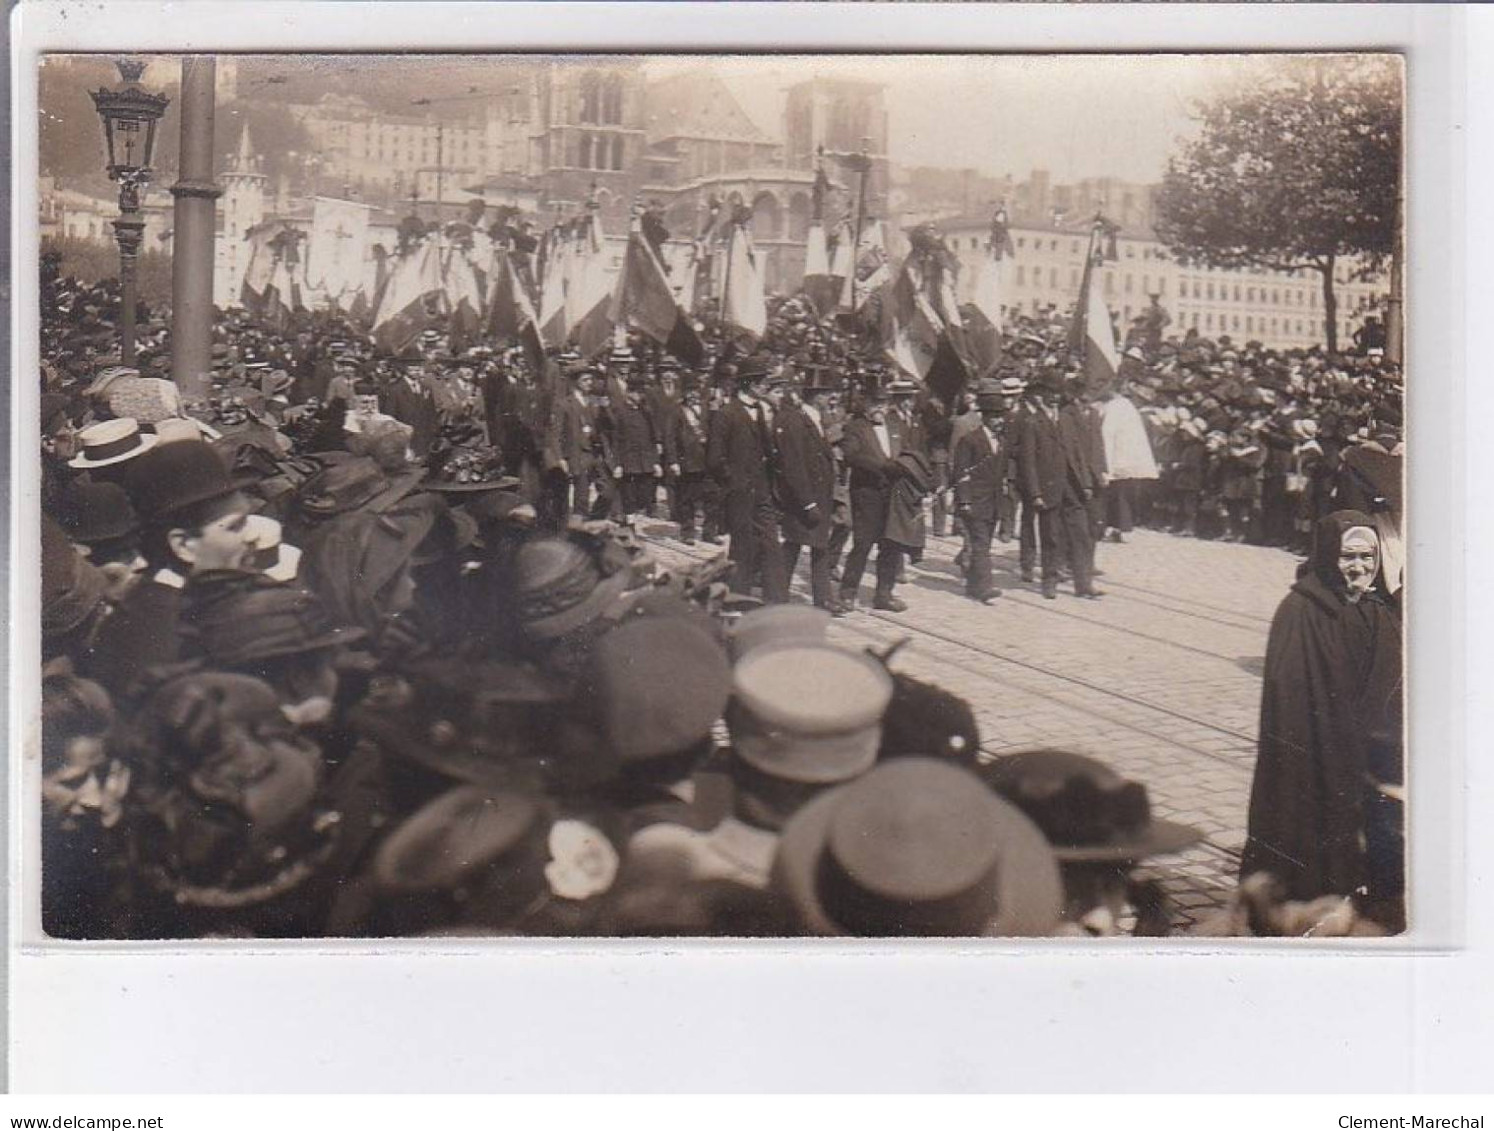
[[358, 645]]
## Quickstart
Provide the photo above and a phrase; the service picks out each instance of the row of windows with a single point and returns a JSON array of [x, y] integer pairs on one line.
[[601, 100], [1275, 296], [599, 151], [1128, 281]]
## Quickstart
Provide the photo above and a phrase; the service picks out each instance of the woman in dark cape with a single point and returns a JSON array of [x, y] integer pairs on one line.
[[1325, 810]]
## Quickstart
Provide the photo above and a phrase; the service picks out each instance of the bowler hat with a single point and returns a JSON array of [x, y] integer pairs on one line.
[[110, 442], [1088, 812], [808, 713], [917, 847], [94, 513], [173, 477]]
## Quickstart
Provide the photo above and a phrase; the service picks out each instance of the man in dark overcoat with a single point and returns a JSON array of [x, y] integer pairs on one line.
[[571, 447], [979, 473], [1055, 474], [738, 455], [635, 450], [870, 446], [806, 488], [686, 430], [409, 400]]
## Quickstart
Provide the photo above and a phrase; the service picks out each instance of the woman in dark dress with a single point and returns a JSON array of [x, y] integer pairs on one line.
[[1325, 805]]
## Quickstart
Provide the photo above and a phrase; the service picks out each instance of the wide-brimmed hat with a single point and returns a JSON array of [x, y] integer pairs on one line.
[[173, 477], [110, 442], [777, 624], [453, 836], [237, 618], [560, 587], [490, 724], [655, 686], [353, 484], [918, 847], [808, 713], [1088, 812]]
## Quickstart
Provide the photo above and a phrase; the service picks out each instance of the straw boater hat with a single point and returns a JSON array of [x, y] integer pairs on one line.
[[276, 559], [110, 442]]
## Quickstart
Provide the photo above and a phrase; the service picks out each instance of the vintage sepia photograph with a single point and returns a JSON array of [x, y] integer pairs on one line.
[[720, 496]]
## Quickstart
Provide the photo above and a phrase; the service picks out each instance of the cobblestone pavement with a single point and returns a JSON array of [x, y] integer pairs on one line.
[[1160, 678]]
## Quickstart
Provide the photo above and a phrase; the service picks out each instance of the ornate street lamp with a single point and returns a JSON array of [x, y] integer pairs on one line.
[[130, 115]]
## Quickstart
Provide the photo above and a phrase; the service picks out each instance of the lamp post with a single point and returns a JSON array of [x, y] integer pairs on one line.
[[130, 115]]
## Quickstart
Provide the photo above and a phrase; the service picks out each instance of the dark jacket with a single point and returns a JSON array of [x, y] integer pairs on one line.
[[685, 443], [739, 451], [572, 435], [631, 439], [979, 473], [872, 477], [1052, 455], [417, 408], [806, 477]]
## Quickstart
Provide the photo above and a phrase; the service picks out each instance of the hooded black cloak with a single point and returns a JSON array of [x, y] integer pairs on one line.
[[1330, 727]]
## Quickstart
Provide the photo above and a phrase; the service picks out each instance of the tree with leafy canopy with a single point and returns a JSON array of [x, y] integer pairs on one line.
[[1297, 168]]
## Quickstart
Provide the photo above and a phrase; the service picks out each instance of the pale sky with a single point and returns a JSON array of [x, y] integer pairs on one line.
[[1076, 116]]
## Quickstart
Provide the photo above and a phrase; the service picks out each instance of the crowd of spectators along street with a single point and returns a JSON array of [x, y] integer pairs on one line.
[[359, 645]]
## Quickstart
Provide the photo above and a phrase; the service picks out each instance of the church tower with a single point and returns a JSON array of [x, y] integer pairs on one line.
[[241, 207]]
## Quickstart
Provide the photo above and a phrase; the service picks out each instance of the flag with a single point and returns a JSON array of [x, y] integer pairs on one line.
[[261, 266], [743, 304], [510, 314], [871, 269], [984, 323], [923, 330], [463, 296], [554, 277], [413, 299], [644, 301], [1092, 335], [337, 248], [281, 298], [588, 290], [822, 288]]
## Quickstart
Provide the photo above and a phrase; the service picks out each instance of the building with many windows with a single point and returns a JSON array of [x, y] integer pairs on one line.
[[1280, 309]]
